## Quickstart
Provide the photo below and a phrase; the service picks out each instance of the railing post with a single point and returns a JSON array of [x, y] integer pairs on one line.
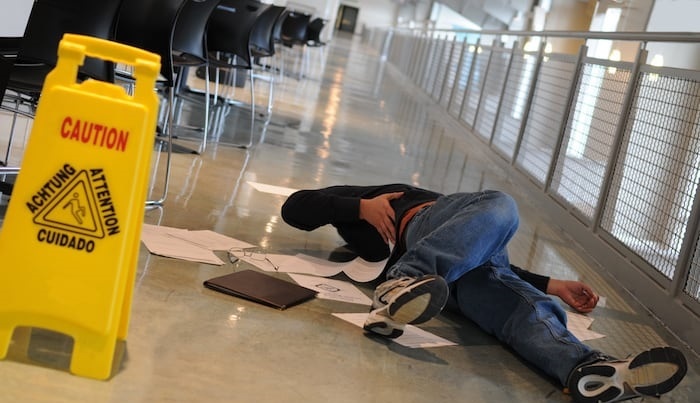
[[447, 69], [417, 65], [483, 82], [503, 91], [458, 73], [430, 62], [427, 65], [387, 43], [469, 79], [583, 50], [528, 103]]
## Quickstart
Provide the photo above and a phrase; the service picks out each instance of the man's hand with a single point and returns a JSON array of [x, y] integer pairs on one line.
[[378, 212], [575, 293]]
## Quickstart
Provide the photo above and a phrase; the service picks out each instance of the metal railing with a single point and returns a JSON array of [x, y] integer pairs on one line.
[[612, 146]]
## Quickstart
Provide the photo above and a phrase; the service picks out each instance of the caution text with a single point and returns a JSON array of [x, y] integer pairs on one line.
[[95, 134]]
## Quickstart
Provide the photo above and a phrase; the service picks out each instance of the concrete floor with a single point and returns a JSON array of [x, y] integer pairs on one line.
[[351, 120]]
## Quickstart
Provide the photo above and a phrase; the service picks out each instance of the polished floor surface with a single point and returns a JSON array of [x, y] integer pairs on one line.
[[349, 120]]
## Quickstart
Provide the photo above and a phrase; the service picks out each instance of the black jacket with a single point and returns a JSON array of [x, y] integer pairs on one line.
[[340, 206]]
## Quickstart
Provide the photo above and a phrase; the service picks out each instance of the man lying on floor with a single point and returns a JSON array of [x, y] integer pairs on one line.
[[451, 250]]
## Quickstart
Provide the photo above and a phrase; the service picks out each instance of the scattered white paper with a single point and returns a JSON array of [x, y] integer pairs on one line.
[[332, 289], [358, 269], [412, 337], [278, 190], [268, 262], [164, 242], [213, 240], [306, 264], [363, 271], [149, 229], [579, 326], [198, 246], [602, 302], [300, 263], [415, 337], [195, 246]]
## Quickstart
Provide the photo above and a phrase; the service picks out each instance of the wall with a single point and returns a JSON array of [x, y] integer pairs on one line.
[[373, 13], [675, 16], [567, 15], [13, 17]]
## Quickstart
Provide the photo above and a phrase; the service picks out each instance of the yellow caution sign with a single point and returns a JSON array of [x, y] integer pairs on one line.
[[70, 239]]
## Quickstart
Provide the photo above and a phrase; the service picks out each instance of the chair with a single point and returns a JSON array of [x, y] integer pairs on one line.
[[262, 43], [294, 28], [294, 33], [190, 50], [313, 32], [277, 30], [262, 40], [26, 61], [313, 41], [175, 30], [229, 44]]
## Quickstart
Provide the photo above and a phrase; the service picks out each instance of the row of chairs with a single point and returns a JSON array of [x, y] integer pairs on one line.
[[224, 34]]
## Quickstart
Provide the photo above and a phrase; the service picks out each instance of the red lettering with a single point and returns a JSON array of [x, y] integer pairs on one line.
[[75, 135], [64, 131], [123, 139], [86, 134], [98, 135]]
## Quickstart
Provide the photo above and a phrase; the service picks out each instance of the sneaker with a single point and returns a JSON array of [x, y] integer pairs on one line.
[[651, 373], [403, 301]]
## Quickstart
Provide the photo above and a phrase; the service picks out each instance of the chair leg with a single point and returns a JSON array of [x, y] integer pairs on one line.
[[216, 84], [168, 128], [270, 94], [305, 62], [203, 146], [252, 111], [12, 134], [216, 122]]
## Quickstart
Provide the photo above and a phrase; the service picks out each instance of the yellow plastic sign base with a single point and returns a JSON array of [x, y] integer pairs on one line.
[[69, 243]]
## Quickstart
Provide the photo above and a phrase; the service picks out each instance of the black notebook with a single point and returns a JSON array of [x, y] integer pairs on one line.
[[261, 288]]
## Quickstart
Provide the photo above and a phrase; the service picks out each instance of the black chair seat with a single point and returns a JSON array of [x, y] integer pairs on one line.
[[294, 29], [28, 78], [262, 37], [186, 59], [259, 52], [10, 45], [34, 55], [223, 61], [313, 33]]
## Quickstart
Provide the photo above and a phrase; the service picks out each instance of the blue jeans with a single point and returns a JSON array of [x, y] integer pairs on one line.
[[463, 238]]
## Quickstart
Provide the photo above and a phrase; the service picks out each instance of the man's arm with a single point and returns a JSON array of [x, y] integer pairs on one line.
[[378, 212], [310, 209], [536, 280], [576, 294]]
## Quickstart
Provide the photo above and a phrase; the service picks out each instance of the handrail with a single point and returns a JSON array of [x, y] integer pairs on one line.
[[684, 37]]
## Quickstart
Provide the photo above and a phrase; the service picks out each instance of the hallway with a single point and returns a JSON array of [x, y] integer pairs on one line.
[[353, 120]]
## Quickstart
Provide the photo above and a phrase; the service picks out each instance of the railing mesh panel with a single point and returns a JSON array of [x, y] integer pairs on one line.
[[656, 174], [491, 94], [589, 136], [545, 118], [514, 103]]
